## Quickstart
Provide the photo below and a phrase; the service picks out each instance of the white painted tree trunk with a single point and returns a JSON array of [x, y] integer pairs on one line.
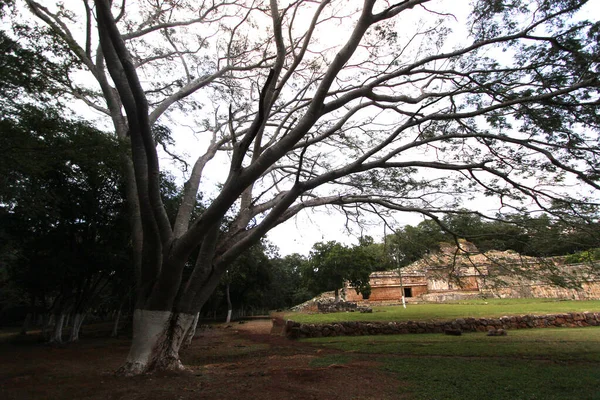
[[77, 322], [229, 307], [115, 329], [157, 337], [191, 331], [56, 335]]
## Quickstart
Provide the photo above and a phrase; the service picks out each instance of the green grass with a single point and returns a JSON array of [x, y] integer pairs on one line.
[[452, 378], [557, 344], [443, 311], [557, 363], [331, 359]]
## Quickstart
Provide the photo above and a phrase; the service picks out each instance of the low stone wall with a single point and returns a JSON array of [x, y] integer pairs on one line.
[[441, 297], [296, 330], [331, 306]]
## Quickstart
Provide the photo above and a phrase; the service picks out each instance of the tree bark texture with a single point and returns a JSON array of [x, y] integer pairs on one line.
[[56, 335], [115, 329], [192, 330], [157, 337], [229, 307], [77, 322]]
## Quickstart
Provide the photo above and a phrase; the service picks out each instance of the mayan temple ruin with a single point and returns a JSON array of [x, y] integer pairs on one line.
[[461, 271]]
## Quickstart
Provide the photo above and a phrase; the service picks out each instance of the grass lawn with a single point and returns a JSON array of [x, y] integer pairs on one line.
[[462, 309], [557, 363]]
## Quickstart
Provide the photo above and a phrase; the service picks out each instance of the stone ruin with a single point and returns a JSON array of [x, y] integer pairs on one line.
[[329, 305]]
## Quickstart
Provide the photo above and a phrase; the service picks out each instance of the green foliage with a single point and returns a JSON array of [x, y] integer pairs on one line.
[[287, 289], [583, 256], [61, 208], [249, 278], [260, 281], [539, 236], [411, 243], [331, 264], [62, 211]]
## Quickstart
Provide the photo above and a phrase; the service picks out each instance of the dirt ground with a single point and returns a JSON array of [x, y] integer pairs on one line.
[[225, 362]]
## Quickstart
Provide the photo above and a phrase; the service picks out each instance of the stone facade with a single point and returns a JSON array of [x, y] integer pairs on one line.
[[296, 330], [459, 274]]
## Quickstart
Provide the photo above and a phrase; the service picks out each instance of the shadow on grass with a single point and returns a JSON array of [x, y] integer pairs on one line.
[[532, 364]]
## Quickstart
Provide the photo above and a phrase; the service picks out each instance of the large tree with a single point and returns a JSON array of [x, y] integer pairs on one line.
[[399, 113]]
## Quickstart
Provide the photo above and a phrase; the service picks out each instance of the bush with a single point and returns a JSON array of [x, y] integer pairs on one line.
[[583, 256]]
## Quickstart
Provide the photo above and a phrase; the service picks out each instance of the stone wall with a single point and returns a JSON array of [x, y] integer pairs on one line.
[[296, 330], [440, 297], [331, 306], [588, 291]]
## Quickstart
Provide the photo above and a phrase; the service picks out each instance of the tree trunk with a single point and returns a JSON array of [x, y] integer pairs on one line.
[[192, 330], [229, 308], [337, 295], [26, 323], [67, 320], [77, 322], [47, 324], [56, 336], [157, 337], [39, 319], [115, 329]]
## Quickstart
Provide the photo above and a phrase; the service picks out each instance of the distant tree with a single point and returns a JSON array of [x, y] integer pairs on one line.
[[62, 210], [247, 281], [61, 203], [331, 264], [542, 235], [486, 234], [588, 256], [411, 243], [287, 287], [375, 252], [549, 236]]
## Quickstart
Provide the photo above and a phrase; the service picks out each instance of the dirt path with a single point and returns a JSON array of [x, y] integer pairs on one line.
[[227, 362]]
